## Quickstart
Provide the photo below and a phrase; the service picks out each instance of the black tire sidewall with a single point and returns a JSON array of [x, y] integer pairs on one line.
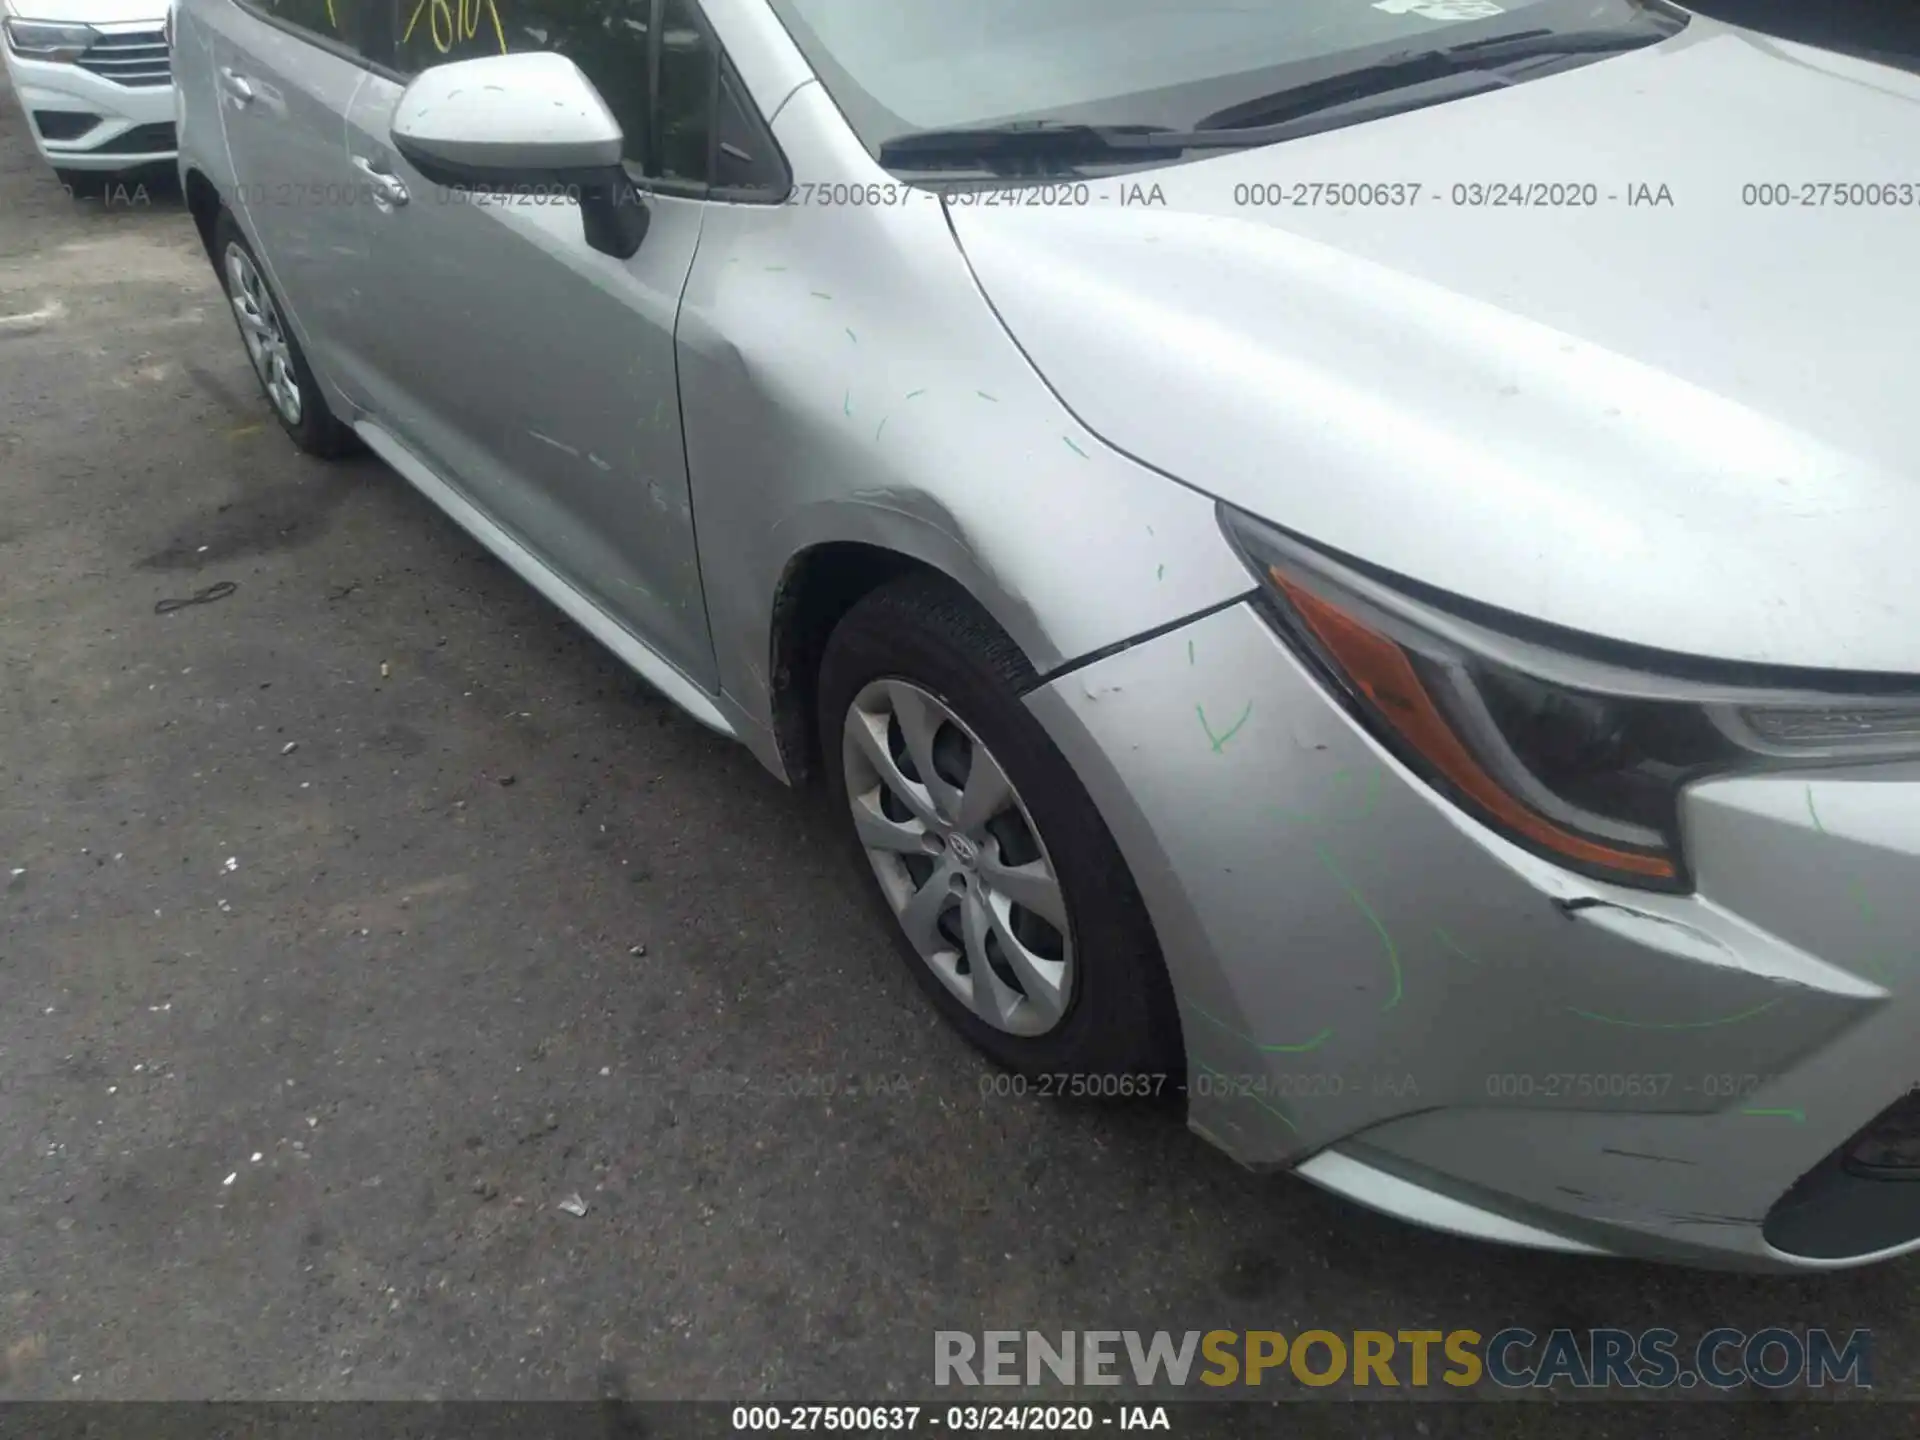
[[318, 432], [1119, 1020]]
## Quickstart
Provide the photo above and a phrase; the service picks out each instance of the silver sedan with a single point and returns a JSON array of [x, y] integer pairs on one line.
[[1350, 564]]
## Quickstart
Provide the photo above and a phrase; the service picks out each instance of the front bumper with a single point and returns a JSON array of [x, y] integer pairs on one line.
[[114, 116], [1412, 1011]]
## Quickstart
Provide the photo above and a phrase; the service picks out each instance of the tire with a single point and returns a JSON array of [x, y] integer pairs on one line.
[[277, 354], [1118, 1019]]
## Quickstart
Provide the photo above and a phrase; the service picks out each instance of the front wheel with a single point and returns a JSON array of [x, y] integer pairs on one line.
[[1014, 910], [278, 362]]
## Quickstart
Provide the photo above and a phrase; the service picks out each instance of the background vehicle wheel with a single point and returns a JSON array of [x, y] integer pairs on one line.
[[1014, 908], [277, 361]]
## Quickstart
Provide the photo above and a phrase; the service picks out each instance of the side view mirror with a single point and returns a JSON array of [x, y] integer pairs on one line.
[[517, 122]]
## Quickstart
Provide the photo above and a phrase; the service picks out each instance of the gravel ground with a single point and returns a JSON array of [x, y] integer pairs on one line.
[[364, 917]]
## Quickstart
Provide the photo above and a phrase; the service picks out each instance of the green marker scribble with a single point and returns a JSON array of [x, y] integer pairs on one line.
[[1453, 945], [1393, 951], [1222, 1075], [1790, 1113], [853, 337], [821, 295], [912, 393], [1815, 814], [1326, 860], [1220, 741], [1674, 1024], [846, 406], [1189, 652], [1075, 448], [985, 396], [1373, 792], [1262, 1046], [881, 426], [1161, 573]]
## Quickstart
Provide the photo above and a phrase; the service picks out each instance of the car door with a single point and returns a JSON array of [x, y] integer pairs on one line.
[[286, 72], [533, 374]]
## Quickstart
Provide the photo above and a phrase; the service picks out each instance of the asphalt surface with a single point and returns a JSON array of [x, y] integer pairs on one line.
[[357, 920]]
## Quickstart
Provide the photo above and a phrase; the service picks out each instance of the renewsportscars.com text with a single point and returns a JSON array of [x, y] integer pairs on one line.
[[1775, 1358]]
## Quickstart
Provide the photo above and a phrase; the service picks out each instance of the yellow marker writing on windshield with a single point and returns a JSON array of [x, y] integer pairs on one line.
[[442, 20]]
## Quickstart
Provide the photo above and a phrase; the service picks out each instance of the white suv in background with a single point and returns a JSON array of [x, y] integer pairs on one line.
[[95, 80]]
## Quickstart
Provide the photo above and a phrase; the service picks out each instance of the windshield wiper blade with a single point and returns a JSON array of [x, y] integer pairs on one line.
[[1026, 146], [1414, 68], [1029, 143]]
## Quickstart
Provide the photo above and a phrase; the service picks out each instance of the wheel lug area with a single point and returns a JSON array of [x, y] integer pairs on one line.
[[965, 853]]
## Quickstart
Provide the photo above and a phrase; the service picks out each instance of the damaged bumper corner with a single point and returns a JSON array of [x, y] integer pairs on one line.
[[1448, 1028]]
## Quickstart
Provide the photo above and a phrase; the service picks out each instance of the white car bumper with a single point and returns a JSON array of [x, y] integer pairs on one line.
[[110, 110]]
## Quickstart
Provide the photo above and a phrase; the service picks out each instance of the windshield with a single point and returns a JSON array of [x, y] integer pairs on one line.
[[899, 66]]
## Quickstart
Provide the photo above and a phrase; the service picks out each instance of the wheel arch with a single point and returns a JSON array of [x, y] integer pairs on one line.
[[843, 549], [204, 205], [818, 587]]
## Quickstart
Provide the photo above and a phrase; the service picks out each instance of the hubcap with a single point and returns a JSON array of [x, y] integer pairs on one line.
[[958, 858], [265, 336]]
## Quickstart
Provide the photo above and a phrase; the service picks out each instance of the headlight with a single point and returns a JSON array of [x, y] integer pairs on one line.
[[45, 40], [1578, 757]]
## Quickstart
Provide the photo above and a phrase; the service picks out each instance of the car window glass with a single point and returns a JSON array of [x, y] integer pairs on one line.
[[342, 20], [745, 159], [689, 70], [607, 39]]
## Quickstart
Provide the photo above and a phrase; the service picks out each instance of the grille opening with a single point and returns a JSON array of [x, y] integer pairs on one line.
[[134, 58]]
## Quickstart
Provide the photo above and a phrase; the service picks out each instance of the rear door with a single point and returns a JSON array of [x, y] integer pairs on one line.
[[533, 374], [286, 71]]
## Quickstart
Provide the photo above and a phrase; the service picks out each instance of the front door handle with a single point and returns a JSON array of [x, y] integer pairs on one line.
[[388, 190], [236, 86]]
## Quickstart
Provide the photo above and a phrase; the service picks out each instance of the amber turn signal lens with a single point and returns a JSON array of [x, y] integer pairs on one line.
[[1379, 669]]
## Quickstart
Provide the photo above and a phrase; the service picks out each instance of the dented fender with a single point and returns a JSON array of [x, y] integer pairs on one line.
[[843, 380]]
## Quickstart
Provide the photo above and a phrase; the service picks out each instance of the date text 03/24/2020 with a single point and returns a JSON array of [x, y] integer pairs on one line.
[[951, 1419]]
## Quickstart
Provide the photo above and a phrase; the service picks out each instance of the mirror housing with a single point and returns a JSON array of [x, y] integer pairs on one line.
[[506, 123]]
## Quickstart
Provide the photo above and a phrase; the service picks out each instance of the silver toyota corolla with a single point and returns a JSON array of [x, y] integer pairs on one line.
[[1355, 563]]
